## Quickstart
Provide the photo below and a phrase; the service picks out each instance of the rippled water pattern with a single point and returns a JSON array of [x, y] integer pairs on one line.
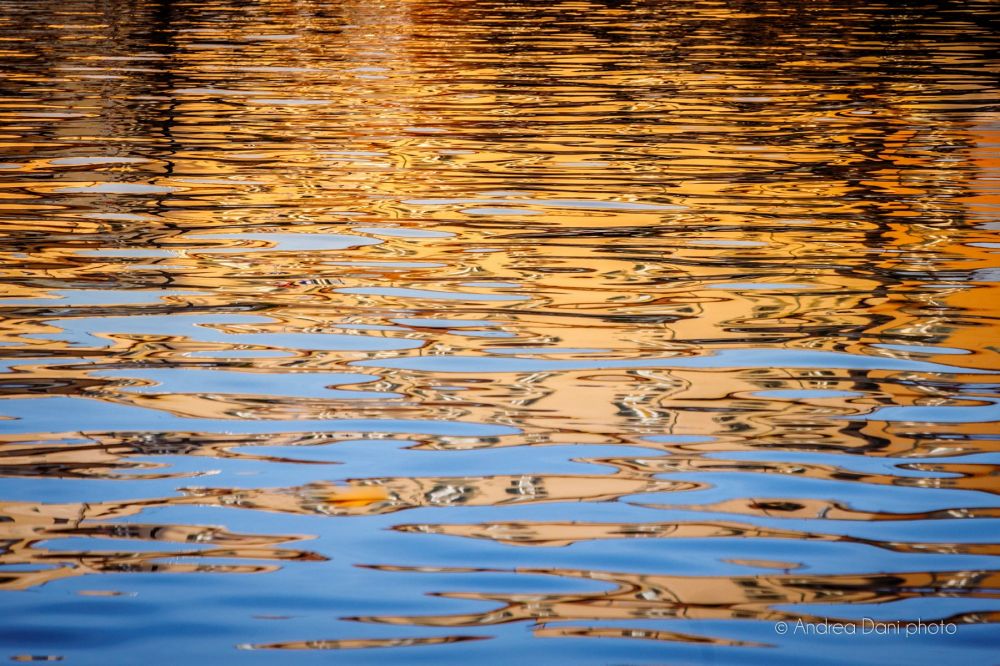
[[460, 331]]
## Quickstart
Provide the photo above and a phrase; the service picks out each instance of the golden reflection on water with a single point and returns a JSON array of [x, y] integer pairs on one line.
[[716, 274]]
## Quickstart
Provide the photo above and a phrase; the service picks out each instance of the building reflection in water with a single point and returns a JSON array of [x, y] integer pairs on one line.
[[695, 299]]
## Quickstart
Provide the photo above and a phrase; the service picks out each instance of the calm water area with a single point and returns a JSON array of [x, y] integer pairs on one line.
[[482, 331]]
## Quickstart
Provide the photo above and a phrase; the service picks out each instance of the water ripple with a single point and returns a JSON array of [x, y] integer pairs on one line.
[[427, 329]]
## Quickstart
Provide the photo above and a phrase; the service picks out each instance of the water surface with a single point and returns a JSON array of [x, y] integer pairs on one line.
[[440, 331]]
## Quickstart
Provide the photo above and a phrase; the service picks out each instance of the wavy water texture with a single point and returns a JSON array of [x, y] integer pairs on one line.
[[432, 329]]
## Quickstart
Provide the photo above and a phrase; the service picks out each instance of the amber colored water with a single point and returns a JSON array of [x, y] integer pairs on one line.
[[460, 331]]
